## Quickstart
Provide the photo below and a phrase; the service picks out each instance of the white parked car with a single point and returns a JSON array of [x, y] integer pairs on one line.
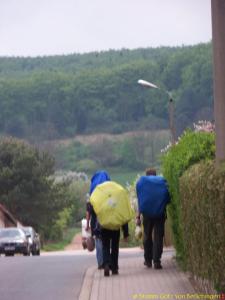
[[34, 240]]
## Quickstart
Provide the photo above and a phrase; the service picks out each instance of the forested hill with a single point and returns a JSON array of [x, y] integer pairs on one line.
[[61, 96]]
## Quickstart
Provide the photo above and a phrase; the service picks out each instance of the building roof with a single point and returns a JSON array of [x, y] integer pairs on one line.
[[8, 214]]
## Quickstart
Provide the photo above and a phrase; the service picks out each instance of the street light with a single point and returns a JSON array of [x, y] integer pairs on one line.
[[150, 85]]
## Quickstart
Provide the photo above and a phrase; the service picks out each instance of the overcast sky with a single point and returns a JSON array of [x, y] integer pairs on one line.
[[48, 27]]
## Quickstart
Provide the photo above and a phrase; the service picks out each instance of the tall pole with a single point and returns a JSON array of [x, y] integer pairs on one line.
[[218, 38]]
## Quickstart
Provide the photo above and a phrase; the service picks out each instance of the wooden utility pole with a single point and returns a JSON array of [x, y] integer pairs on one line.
[[218, 39]]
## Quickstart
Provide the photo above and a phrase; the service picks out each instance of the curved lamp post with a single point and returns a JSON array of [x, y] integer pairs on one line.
[[150, 85]]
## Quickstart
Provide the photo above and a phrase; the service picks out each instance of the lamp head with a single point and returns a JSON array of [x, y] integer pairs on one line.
[[147, 84]]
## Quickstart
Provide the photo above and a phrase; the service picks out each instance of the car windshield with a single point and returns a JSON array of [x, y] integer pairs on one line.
[[28, 230], [10, 233]]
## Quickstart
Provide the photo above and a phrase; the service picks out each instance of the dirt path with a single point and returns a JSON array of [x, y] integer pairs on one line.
[[76, 243]]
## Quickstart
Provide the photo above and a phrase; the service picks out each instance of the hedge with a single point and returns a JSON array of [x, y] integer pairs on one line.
[[202, 190], [191, 148]]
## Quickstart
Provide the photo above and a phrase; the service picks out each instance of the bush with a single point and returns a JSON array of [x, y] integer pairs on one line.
[[64, 219], [86, 165], [203, 221], [191, 148], [77, 193], [76, 190]]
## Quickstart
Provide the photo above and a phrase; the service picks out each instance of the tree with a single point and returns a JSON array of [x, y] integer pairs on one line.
[[60, 96], [26, 187]]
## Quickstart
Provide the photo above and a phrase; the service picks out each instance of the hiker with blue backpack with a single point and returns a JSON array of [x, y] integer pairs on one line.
[[153, 197]]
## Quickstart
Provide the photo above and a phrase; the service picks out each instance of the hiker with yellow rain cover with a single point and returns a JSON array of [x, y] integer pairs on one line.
[[111, 204], [97, 178]]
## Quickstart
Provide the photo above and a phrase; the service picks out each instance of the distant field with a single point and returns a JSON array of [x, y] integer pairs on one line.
[[130, 150], [124, 177], [88, 139]]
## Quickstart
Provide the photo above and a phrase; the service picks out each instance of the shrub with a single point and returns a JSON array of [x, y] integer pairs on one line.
[[86, 165], [77, 192], [202, 190], [64, 218], [191, 148]]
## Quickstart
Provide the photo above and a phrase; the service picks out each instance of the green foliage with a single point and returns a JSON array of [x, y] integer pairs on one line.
[[67, 156], [128, 155], [202, 190], [76, 189], [26, 187], [77, 192], [121, 152], [64, 219], [86, 165], [191, 148], [61, 96], [103, 152]]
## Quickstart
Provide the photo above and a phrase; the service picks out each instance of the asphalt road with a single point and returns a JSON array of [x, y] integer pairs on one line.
[[51, 276], [55, 276]]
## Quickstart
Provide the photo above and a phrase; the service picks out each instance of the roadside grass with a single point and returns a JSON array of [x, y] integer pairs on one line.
[[60, 245]]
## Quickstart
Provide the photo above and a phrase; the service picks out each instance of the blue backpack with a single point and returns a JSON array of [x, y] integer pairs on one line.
[[153, 195]]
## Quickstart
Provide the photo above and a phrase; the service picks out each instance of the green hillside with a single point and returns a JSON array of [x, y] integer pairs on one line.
[[55, 97]]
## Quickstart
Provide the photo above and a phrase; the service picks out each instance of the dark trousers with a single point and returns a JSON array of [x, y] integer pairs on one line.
[[153, 249], [110, 245]]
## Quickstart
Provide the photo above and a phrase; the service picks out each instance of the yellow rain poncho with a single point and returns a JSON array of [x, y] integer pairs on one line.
[[111, 204]]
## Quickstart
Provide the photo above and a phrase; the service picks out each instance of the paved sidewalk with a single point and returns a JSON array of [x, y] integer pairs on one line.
[[135, 281]]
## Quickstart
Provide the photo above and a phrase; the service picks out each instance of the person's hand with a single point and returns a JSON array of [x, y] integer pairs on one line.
[[138, 221]]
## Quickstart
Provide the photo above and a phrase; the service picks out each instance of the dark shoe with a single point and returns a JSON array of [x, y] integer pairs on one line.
[[110, 267], [100, 267], [106, 270], [115, 272], [157, 266], [148, 264]]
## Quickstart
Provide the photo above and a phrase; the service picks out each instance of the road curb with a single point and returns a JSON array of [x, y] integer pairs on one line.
[[86, 288]]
